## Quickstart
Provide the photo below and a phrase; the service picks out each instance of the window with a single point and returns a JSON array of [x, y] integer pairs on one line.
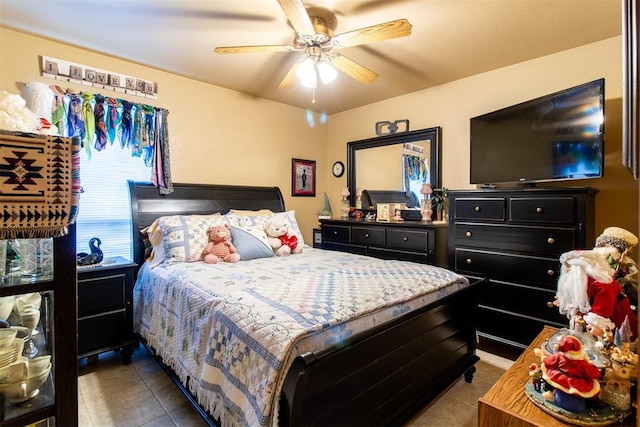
[[104, 204], [415, 173]]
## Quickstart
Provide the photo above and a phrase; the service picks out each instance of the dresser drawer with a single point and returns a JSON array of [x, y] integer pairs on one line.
[[368, 236], [508, 328], [531, 270], [525, 300], [419, 257], [412, 240], [102, 331], [480, 208], [336, 233], [343, 247], [101, 293], [559, 210], [544, 240]]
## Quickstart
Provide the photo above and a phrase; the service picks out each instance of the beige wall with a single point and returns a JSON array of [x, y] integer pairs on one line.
[[452, 105], [216, 135], [221, 136]]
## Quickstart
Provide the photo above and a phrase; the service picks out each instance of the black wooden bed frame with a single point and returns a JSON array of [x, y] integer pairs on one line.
[[382, 376]]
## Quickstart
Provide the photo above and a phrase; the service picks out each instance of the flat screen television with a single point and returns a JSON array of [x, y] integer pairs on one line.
[[556, 137]]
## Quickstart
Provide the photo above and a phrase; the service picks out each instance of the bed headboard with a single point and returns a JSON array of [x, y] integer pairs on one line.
[[373, 197], [147, 204]]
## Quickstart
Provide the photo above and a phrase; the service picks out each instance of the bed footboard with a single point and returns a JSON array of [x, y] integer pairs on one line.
[[386, 375]]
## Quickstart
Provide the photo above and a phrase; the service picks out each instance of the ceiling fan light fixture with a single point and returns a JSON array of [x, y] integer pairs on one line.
[[327, 72], [306, 72]]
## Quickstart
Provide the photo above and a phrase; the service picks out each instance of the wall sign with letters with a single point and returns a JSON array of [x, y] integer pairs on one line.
[[60, 69]]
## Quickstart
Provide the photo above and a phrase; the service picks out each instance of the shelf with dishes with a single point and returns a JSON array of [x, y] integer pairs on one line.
[[25, 261], [25, 354]]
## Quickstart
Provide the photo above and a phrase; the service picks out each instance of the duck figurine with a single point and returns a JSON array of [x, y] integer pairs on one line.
[[94, 257]]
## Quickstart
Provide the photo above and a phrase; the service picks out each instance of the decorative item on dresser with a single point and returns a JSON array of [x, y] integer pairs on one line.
[[514, 238], [407, 241], [105, 319]]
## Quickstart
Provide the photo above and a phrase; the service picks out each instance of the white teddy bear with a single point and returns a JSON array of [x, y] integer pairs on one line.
[[281, 237]]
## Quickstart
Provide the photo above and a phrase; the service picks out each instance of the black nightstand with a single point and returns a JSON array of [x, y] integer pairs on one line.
[[105, 304], [317, 238]]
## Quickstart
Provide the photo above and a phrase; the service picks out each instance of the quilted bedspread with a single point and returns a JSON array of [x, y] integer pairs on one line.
[[234, 329]]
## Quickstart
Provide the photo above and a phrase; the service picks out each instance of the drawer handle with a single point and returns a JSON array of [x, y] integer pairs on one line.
[[405, 238], [469, 261], [551, 240], [468, 234], [335, 233], [477, 209], [551, 273], [366, 235], [539, 210]]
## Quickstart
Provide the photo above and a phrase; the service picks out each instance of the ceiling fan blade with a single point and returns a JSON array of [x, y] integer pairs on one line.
[[297, 15], [386, 31], [353, 69], [249, 49], [290, 78]]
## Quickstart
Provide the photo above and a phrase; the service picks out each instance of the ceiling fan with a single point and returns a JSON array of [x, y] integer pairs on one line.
[[314, 36]]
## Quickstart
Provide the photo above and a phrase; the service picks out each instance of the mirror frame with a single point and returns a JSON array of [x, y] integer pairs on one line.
[[433, 134]]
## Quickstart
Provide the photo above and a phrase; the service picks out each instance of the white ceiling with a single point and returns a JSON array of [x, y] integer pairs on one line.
[[451, 39]]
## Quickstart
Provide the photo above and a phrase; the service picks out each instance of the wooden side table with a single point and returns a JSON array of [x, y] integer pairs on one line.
[[506, 404], [105, 308]]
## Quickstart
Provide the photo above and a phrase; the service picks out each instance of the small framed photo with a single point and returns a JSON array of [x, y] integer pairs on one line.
[[303, 177]]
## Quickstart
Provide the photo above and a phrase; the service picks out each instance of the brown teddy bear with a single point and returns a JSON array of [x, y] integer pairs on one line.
[[220, 247]]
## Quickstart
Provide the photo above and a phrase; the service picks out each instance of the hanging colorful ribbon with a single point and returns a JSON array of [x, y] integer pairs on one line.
[[113, 119], [138, 129], [161, 175], [101, 127], [89, 121], [75, 122], [57, 109], [126, 124], [148, 134]]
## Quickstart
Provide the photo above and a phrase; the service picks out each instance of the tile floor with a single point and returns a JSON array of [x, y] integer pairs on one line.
[[140, 394]]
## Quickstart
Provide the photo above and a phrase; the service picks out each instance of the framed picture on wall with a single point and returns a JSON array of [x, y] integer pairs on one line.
[[303, 177]]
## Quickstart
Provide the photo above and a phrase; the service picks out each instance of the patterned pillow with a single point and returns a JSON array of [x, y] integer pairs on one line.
[[185, 236], [153, 248], [251, 242]]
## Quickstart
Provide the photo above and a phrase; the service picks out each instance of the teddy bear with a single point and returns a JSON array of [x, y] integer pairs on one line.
[[220, 247], [281, 237]]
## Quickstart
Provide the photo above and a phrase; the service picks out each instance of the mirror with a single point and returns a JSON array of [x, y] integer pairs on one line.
[[371, 164]]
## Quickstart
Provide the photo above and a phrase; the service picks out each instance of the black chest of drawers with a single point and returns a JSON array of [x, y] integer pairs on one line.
[[407, 241], [514, 238]]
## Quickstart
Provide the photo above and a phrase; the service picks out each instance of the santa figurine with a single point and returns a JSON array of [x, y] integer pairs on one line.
[[617, 242], [587, 289], [573, 377]]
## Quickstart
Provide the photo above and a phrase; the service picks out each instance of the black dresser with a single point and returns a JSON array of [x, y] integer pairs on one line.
[[407, 241], [514, 238]]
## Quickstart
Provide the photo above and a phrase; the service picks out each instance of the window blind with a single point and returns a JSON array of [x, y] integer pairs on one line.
[[104, 210]]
